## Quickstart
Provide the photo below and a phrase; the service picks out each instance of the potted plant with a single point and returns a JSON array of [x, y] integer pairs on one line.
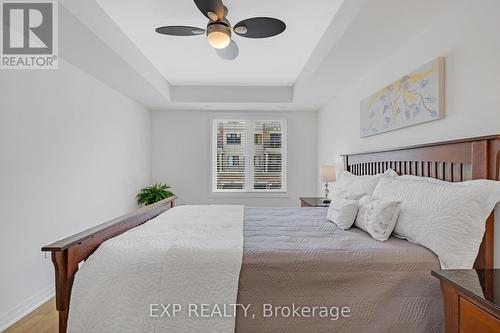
[[151, 194]]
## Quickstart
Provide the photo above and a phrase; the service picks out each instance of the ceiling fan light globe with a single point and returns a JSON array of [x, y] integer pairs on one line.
[[218, 40], [219, 36]]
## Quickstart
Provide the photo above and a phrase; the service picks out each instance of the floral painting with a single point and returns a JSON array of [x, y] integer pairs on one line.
[[414, 99]]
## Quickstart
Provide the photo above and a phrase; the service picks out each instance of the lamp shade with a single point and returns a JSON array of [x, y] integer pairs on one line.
[[328, 173]]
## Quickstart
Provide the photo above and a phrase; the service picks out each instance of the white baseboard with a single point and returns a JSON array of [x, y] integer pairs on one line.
[[25, 307]]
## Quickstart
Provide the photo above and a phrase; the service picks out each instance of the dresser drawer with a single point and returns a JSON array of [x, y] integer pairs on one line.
[[475, 320]]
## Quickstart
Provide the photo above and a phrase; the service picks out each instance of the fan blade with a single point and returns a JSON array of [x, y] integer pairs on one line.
[[259, 27], [180, 30], [211, 6], [230, 52]]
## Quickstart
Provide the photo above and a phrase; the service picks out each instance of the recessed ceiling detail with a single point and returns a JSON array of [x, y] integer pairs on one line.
[[275, 61], [300, 73]]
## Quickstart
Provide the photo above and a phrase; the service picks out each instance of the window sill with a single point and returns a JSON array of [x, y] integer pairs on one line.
[[248, 195]]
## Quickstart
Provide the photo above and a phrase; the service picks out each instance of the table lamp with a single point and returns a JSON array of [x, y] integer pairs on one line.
[[328, 175]]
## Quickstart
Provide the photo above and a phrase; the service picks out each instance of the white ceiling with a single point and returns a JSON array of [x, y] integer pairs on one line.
[[347, 49], [191, 61]]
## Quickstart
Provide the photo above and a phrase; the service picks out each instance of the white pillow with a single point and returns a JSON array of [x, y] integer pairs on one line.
[[342, 212], [448, 218], [339, 192], [377, 217], [361, 184]]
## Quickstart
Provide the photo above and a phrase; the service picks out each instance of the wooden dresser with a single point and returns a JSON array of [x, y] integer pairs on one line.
[[471, 300]]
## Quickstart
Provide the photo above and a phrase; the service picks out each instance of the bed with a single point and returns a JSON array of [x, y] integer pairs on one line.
[[296, 256], [292, 254]]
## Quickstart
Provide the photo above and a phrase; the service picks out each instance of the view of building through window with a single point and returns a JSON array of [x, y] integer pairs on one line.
[[233, 155], [267, 175]]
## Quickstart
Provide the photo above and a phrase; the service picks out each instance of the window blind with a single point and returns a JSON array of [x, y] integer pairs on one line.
[[267, 155], [249, 155], [230, 155]]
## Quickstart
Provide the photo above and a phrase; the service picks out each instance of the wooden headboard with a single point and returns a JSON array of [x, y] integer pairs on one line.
[[454, 161]]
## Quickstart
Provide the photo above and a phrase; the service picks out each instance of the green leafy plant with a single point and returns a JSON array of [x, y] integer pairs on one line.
[[151, 194]]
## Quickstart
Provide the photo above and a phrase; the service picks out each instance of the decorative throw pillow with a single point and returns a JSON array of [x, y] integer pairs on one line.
[[377, 217], [342, 212], [361, 184], [447, 218]]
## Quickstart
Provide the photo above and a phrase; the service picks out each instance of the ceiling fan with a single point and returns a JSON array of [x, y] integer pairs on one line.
[[218, 29]]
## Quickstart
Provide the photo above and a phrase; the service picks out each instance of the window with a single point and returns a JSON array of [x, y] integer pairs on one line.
[[230, 155], [257, 139], [275, 140], [233, 139], [255, 165], [274, 163], [259, 161], [234, 160]]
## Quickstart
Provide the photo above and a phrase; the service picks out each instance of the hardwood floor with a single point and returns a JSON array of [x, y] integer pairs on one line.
[[42, 320]]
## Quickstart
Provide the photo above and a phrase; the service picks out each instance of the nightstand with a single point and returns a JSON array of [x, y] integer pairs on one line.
[[471, 300], [313, 202]]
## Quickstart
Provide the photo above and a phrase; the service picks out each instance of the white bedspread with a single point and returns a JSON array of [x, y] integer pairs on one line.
[[187, 255]]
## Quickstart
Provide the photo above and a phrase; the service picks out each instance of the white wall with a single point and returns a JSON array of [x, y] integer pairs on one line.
[[74, 153], [468, 38], [182, 158]]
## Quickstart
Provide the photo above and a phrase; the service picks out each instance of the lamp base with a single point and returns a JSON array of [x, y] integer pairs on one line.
[[327, 191], [326, 201]]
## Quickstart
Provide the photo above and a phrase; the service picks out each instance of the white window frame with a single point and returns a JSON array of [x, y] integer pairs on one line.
[[249, 154]]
